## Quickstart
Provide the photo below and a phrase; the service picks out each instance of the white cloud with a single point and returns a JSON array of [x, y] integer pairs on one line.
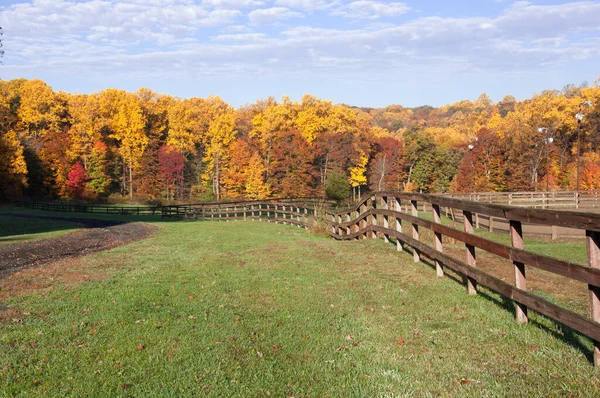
[[270, 15], [241, 37], [232, 4], [145, 38], [308, 5], [372, 9], [129, 21]]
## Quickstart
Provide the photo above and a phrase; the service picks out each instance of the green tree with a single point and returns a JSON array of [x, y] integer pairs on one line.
[[97, 171], [337, 186]]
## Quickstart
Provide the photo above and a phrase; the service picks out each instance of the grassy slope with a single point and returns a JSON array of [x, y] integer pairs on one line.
[[15, 230], [255, 309]]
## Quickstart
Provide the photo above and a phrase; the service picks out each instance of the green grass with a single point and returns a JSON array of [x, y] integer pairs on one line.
[[257, 309], [567, 249], [15, 229]]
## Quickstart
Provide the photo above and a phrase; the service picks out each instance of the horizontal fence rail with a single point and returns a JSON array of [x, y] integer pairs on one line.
[[208, 210], [588, 200], [91, 208]]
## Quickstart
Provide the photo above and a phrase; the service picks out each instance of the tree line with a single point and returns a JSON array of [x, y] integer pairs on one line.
[[145, 145]]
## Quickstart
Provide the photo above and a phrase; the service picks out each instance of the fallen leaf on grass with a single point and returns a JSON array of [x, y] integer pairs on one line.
[[140, 347], [463, 382], [400, 341]]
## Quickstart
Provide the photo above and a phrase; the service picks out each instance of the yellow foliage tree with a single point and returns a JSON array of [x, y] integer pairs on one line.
[[358, 173], [220, 135], [256, 187], [85, 126], [39, 110], [13, 169]]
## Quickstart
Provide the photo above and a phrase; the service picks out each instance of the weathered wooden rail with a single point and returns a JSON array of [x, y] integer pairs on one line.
[[382, 214], [540, 200], [65, 207], [208, 210]]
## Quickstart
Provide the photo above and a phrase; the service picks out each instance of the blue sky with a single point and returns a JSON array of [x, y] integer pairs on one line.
[[363, 52]]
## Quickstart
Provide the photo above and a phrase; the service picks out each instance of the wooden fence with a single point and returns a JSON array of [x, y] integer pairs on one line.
[[381, 215], [91, 208], [208, 210], [587, 200]]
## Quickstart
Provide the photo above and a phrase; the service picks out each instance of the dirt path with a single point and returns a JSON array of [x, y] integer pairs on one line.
[[95, 235]]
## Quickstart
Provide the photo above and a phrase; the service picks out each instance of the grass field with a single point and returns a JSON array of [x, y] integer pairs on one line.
[[15, 230], [257, 309]]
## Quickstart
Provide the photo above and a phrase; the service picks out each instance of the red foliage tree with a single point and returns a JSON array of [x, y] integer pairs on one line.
[[482, 167], [77, 180], [292, 172], [386, 171], [171, 165]]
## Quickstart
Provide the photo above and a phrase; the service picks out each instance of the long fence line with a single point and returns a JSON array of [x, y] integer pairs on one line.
[[208, 210], [381, 214]]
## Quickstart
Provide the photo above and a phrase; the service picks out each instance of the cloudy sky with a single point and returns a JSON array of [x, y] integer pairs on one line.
[[364, 52]]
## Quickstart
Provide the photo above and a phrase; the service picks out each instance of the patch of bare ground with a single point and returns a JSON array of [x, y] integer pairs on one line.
[[39, 266]]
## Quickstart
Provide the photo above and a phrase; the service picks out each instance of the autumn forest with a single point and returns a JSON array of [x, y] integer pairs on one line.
[[115, 144]]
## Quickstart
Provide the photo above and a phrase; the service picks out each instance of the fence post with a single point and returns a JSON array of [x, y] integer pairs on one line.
[[306, 217], [438, 238], [386, 220], [491, 224], [373, 217], [348, 219], [362, 224], [415, 230], [471, 259], [592, 240], [516, 237], [398, 224]]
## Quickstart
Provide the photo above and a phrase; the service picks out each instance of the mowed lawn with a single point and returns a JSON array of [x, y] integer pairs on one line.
[[16, 229], [258, 309]]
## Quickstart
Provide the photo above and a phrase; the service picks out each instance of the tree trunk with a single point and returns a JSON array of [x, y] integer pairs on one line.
[[130, 180], [216, 188], [382, 174]]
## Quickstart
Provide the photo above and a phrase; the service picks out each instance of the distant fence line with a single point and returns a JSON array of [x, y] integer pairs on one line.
[[543, 200], [193, 210]]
